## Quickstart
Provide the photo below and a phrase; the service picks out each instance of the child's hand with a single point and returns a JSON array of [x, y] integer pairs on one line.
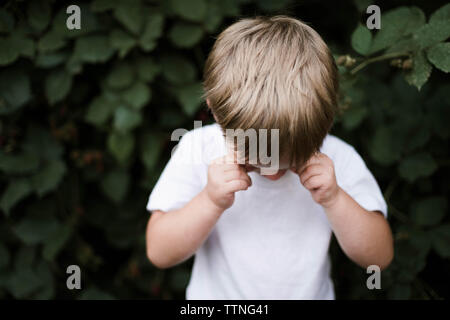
[[225, 177], [317, 175]]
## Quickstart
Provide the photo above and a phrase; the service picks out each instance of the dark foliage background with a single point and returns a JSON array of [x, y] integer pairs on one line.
[[86, 118]]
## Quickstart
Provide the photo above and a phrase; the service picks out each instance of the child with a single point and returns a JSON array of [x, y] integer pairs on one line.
[[267, 236]]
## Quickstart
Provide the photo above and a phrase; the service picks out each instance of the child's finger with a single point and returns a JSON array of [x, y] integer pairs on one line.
[[315, 159], [236, 175], [236, 185], [225, 162], [312, 183], [310, 171], [234, 157]]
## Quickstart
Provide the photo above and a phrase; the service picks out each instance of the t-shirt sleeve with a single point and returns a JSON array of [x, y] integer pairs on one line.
[[355, 178], [180, 180]]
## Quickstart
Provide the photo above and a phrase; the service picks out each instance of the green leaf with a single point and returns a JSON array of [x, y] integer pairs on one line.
[[400, 292], [189, 96], [441, 14], [439, 55], [50, 60], [55, 242], [121, 41], [51, 41], [49, 177], [440, 237], [121, 76], [432, 33], [353, 117], [126, 119], [6, 21], [150, 150], [404, 45], [35, 230], [429, 211], [24, 282], [385, 148], [214, 17], [24, 45], [38, 141], [57, 85], [95, 294], [115, 185], [231, 8], [121, 145], [194, 10], [102, 5], [272, 6], [18, 164], [15, 90], [438, 112], [39, 14], [361, 40], [420, 72], [93, 49], [24, 257], [15, 191], [99, 111], [130, 15], [9, 53], [152, 31], [47, 291], [177, 69], [74, 65], [138, 95], [180, 280], [417, 166], [395, 24], [147, 69], [185, 35]]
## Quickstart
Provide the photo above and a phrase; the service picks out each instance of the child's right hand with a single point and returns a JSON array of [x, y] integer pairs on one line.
[[225, 177]]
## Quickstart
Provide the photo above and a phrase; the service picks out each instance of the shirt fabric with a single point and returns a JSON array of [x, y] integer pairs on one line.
[[273, 242]]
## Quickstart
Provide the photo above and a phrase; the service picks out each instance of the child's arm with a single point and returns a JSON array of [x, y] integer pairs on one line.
[[364, 236], [174, 236]]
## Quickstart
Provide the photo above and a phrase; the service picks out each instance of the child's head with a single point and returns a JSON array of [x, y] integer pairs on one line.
[[274, 73]]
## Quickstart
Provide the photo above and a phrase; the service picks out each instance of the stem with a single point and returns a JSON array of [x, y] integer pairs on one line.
[[428, 289], [398, 214], [390, 188], [379, 58]]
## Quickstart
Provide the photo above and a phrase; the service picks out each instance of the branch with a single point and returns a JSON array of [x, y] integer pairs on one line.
[[379, 58]]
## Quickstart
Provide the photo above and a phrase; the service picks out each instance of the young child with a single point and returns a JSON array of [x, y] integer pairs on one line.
[[267, 236]]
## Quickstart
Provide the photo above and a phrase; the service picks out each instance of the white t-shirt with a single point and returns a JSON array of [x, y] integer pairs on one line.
[[273, 242]]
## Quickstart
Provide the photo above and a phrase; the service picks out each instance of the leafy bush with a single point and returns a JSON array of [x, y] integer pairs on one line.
[[86, 117]]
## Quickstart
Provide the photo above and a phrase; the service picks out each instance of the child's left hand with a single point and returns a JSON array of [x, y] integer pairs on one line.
[[318, 176]]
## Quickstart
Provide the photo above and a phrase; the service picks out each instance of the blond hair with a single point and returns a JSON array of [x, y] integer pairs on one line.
[[274, 72]]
